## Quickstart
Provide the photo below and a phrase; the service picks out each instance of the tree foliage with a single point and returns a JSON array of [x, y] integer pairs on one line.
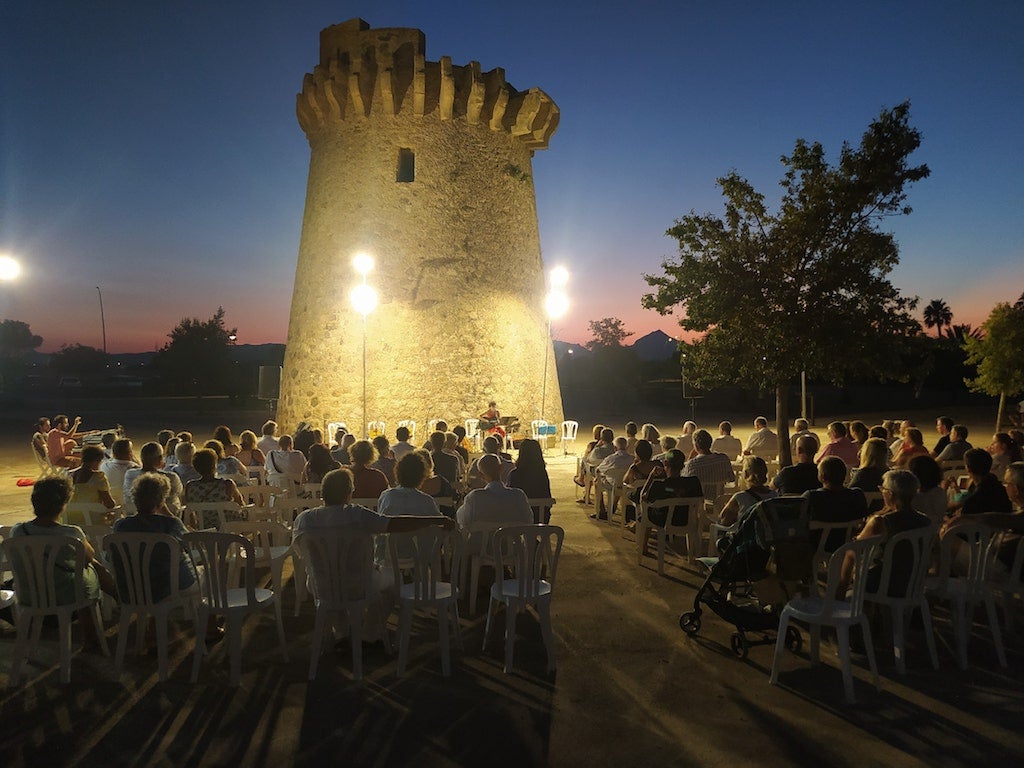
[[608, 332], [804, 288], [998, 353], [17, 339], [79, 359], [198, 356], [937, 315]]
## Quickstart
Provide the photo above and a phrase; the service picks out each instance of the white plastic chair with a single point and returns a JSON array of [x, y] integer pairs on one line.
[[86, 513], [257, 476], [841, 614], [261, 495], [375, 428], [479, 552], [131, 558], [273, 546], [538, 431], [332, 430], [313, 492], [33, 560], [529, 554], [216, 551], [431, 426], [963, 593], [612, 494], [343, 581], [690, 529], [473, 432], [541, 510], [434, 566], [213, 514], [1012, 584], [914, 548], [411, 426], [569, 432], [823, 553]]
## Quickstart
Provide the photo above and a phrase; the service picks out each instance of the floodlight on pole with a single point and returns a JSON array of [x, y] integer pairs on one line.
[[10, 269], [364, 301], [556, 304]]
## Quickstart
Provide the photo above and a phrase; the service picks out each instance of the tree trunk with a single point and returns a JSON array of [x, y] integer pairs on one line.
[[782, 424], [999, 413]]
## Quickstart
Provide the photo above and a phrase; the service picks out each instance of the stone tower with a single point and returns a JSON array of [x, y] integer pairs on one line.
[[426, 166]]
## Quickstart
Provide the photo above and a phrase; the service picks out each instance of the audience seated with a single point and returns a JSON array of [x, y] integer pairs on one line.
[[763, 442], [714, 470], [611, 469], [911, 445], [250, 454], [801, 428], [931, 499], [834, 503], [874, 463], [183, 468], [385, 462], [802, 476], [345, 440], [402, 445], [268, 437], [957, 445], [755, 478], [943, 425], [985, 493], [223, 435], [839, 445], [1005, 452], [434, 485], [445, 464], [1011, 522], [319, 464], [494, 503], [124, 459], [407, 498], [667, 485], [209, 487], [152, 456], [228, 466], [631, 439], [492, 447], [684, 443], [370, 483], [89, 485], [531, 475], [284, 462]]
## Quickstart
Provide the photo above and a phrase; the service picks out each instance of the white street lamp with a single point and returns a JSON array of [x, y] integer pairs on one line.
[[10, 269], [364, 301], [556, 304]]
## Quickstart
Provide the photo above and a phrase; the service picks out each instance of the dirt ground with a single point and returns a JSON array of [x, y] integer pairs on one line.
[[630, 688]]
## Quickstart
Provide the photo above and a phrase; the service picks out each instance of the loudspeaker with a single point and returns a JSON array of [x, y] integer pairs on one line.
[[270, 382]]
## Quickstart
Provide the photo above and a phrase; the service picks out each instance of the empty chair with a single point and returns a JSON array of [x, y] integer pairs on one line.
[[673, 526], [529, 555], [375, 428], [901, 588], [830, 611], [433, 565], [539, 431], [479, 552], [963, 593], [273, 546], [345, 583], [569, 432], [216, 552], [36, 561], [148, 571]]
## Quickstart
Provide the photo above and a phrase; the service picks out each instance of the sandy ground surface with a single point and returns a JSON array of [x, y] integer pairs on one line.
[[630, 688]]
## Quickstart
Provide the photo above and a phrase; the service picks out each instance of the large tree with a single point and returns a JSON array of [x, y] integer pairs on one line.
[[937, 315], [79, 359], [804, 288], [996, 352], [608, 332], [17, 339], [197, 358]]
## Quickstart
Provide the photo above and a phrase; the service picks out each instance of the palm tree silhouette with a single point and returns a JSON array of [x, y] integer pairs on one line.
[[936, 315]]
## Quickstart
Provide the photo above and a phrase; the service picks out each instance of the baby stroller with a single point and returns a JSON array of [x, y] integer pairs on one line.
[[775, 531]]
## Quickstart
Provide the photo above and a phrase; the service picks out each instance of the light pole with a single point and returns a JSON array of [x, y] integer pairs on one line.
[[103, 320], [364, 301], [556, 304]]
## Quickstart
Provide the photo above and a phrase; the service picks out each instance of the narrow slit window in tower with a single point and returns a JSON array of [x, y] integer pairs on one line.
[[406, 165]]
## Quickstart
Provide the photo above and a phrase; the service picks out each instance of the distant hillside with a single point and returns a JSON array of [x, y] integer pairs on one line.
[[656, 345]]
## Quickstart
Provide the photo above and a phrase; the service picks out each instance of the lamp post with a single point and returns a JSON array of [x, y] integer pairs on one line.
[[103, 320], [364, 301], [556, 304]]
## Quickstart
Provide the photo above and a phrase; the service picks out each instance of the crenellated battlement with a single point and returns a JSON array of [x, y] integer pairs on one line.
[[363, 70]]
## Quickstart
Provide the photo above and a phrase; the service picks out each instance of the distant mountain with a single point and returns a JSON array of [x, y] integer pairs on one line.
[[656, 345], [562, 348]]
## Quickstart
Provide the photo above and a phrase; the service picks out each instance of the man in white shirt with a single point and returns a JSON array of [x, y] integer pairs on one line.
[[763, 442], [152, 456], [284, 463], [406, 498], [268, 442], [492, 447], [494, 503], [726, 443], [403, 446], [124, 459], [803, 429]]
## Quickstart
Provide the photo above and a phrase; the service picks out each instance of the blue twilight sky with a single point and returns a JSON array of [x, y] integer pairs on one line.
[[151, 148]]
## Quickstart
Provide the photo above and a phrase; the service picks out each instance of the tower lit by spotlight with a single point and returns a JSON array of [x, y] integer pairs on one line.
[[426, 167]]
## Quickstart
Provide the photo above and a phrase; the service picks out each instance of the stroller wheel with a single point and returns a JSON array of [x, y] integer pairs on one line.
[[690, 622], [739, 645], [794, 641]]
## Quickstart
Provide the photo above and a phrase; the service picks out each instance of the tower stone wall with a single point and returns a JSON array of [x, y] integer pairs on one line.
[[457, 251]]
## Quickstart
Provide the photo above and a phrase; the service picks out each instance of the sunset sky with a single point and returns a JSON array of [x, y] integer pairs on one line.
[[152, 149]]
